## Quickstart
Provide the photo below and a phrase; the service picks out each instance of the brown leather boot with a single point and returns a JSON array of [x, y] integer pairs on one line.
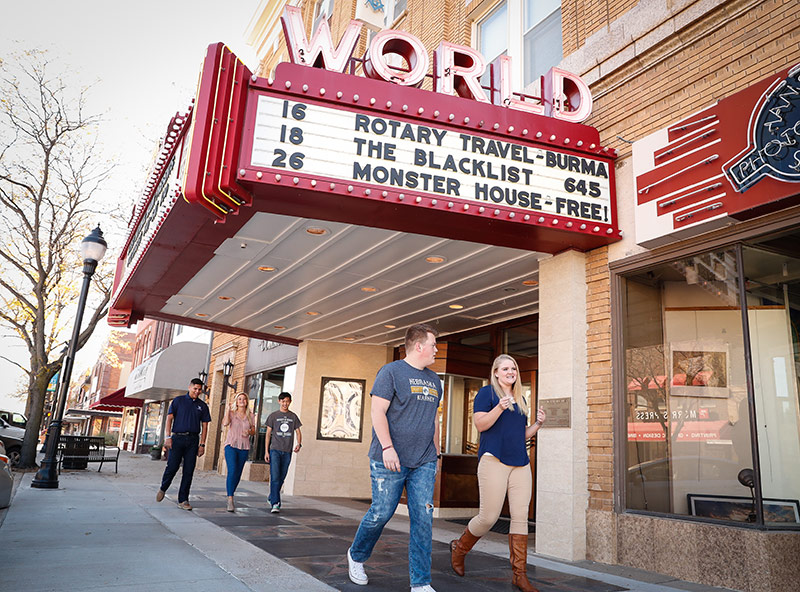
[[518, 548], [459, 549]]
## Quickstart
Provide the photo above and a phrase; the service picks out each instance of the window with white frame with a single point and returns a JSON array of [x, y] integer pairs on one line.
[[527, 30], [322, 10], [393, 9]]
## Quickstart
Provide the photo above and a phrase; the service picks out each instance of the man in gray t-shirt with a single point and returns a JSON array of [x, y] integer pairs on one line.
[[403, 454], [282, 428]]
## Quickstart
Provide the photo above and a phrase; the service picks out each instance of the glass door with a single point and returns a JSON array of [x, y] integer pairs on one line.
[[772, 273]]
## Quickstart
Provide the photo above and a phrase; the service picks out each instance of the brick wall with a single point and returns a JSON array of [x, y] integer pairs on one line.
[[582, 18], [726, 50], [598, 353]]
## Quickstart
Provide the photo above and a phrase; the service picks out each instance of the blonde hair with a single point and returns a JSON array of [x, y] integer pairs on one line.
[[516, 388], [247, 411]]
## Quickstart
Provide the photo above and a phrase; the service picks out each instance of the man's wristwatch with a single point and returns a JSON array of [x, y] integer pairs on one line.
[[203, 445]]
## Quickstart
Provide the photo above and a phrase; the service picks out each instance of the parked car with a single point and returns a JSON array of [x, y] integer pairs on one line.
[[14, 418], [11, 437], [6, 479]]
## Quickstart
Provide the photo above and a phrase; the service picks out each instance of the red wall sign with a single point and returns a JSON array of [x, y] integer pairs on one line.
[[734, 160]]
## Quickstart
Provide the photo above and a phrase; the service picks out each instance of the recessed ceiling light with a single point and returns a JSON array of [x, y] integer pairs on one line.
[[530, 283], [435, 259], [369, 289], [316, 230], [391, 326], [456, 306], [312, 313], [225, 297], [278, 327], [349, 338], [200, 314], [267, 268]]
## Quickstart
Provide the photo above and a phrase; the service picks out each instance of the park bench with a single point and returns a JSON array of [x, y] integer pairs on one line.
[[75, 452]]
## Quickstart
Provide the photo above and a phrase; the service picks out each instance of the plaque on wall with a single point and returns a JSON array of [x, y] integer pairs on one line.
[[558, 412]]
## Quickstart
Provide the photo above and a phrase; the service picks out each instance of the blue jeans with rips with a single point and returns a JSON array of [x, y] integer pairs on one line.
[[235, 459], [387, 487], [278, 467]]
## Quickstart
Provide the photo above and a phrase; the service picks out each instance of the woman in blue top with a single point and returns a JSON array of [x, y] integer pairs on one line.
[[501, 416]]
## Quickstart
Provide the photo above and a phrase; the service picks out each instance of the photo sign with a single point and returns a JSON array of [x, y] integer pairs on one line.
[[389, 153], [732, 161]]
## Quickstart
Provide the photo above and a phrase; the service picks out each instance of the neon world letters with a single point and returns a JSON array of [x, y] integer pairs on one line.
[[456, 68]]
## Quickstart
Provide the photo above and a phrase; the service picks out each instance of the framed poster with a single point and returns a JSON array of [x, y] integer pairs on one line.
[[699, 370], [740, 509], [341, 403]]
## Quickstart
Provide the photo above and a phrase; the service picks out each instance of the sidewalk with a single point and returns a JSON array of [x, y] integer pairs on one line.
[[105, 531]]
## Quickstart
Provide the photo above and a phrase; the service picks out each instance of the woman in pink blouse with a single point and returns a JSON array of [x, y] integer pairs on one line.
[[241, 425]]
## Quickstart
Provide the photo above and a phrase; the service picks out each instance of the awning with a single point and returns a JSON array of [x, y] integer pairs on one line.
[[116, 401], [82, 414], [167, 374]]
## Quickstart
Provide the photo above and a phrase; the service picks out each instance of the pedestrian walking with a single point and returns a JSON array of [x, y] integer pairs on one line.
[[500, 414], [241, 425], [282, 427], [403, 454], [187, 429]]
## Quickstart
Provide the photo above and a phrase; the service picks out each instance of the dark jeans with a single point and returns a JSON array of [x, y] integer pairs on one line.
[[278, 467], [235, 458], [184, 448]]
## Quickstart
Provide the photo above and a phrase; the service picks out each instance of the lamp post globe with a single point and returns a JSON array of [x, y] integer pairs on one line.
[[93, 248]]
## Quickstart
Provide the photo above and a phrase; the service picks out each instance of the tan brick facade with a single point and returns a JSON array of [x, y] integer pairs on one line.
[[599, 392]]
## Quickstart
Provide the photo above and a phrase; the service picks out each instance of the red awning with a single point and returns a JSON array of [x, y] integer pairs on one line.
[[115, 401]]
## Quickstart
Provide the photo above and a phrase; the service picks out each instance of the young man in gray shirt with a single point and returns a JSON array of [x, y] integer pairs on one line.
[[283, 426], [404, 453]]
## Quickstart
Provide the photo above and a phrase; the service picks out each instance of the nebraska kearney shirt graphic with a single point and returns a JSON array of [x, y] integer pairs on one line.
[[424, 390]]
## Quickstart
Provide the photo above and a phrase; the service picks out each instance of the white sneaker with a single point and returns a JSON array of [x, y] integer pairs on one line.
[[356, 571], [425, 588]]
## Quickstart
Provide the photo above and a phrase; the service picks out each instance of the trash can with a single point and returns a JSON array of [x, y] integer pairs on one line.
[[76, 452]]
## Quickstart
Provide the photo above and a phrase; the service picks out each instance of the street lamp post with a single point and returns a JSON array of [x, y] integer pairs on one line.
[[93, 247]]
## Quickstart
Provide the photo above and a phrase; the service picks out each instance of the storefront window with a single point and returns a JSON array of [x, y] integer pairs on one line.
[[153, 415], [688, 349]]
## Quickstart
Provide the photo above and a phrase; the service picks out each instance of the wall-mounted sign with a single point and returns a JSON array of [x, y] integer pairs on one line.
[[734, 160], [558, 412]]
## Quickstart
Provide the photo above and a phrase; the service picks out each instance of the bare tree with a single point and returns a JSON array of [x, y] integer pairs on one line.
[[50, 171]]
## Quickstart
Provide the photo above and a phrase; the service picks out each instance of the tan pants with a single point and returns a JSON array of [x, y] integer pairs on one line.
[[495, 480]]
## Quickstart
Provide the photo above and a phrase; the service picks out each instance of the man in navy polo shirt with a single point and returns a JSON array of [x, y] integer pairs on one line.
[[187, 430]]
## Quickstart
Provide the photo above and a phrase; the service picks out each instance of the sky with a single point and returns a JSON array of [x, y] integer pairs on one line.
[[142, 61]]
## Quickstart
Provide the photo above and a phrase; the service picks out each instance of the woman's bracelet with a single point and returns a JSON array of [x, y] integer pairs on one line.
[[385, 448]]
